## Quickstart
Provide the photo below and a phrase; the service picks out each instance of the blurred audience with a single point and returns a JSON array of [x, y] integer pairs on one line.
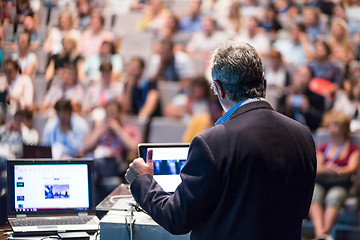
[[16, 88], [255, 36], [26, 59], [295, 49], [65, 132], [53, 43], [341, 46], [348, 102], [191, 20], [154, 15], [30, 135], [90, 70], [277, 76], [170, 65], [68, 55], [141, 96], [94, 36], [111, 138], [300, 103], [101, 92], [323, 67], [337, 162], [65, 88], [10, 138], [204, 42]]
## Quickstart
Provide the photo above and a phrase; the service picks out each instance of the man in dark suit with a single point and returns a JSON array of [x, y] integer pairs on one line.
[[249, 177]]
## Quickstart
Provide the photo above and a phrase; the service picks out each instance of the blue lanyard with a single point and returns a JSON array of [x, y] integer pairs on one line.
[[337, 154]]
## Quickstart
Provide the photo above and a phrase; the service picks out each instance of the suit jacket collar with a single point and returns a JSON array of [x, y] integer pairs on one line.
[[251, 106]]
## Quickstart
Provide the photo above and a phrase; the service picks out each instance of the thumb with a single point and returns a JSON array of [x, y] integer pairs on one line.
[[149, 158]]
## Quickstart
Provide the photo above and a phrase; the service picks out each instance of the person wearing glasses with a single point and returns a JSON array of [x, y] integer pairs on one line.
[[251, 176]]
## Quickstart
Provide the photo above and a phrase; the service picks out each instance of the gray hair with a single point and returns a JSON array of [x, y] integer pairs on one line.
[[239, 69]]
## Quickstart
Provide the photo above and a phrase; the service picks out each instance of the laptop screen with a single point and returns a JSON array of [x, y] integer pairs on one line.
[[168, 161], [37, 186]]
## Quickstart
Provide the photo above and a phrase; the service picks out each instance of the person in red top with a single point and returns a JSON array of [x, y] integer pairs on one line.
[[337, 161]]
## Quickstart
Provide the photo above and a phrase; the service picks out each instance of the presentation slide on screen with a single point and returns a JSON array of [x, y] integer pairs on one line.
[[168, 163], [51, 186]]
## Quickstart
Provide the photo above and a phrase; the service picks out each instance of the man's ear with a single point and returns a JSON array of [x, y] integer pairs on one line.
[[220, 89]]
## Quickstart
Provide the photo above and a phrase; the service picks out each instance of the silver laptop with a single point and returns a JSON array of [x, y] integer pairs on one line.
[[47, 196], [168, 159]]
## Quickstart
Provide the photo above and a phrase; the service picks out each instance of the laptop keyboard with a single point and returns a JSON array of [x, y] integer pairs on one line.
[[52, 221]]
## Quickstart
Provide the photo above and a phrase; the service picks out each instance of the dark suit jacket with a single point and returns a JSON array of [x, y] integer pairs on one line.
[[249, 178]]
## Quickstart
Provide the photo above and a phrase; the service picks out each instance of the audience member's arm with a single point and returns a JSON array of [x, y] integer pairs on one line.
[[352, 165], [92, 139], [129, 142], [50, 71], [150, 105], [307, 47], [128, 94]]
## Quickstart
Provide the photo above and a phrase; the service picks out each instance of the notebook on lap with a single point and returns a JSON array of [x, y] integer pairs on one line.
[[50, 196], [168, 159]]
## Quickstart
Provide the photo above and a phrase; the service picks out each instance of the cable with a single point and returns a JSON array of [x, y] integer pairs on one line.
[[118, 196], [50, 237], [5, 234]]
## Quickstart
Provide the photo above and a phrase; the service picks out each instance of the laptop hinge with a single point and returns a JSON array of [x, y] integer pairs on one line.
[[20, 215], [83, 214]]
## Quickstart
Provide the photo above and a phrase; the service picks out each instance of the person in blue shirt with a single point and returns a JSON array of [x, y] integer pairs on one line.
[[65, 133]]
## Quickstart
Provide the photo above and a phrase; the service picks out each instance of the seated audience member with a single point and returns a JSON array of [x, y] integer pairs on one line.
[[53, 43], [23, 9], [269, 21], [300, 103], [194, 101], [296, 49], [191, 20], [101, 92], [277, 77], [11, 143], [83, 14], [94, 36], [17, 88], [251, 8], [30, 27], [203, 43], [65, 132], [113, 139], [348, 101], [311, 18], [30, 135], [27, 59], [154, 15], [254, 35], [141, 95], [337, 161], [90, 70], [342, 48], [68, 55], [323, 67], [168, 65], [231, 22], [67, 88]]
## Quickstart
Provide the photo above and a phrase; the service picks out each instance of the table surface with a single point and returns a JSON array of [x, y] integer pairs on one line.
[[2, 229]]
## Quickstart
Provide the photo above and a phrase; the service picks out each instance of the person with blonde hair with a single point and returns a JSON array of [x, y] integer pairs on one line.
[[68, 55], [337, 161], [341, 47], [53, 42]]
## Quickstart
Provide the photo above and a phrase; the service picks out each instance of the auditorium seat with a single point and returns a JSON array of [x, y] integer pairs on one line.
[[167, 90], [166, 130]]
